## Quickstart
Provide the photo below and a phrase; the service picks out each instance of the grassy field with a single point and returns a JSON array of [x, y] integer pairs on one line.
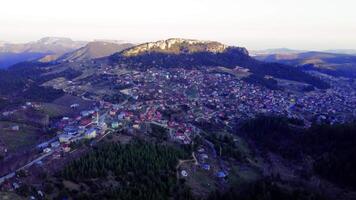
[[200, 181], [54, 110], [237, 74], [243, 174], [10, 196], [29, 116], [68, 100], [26, 137]]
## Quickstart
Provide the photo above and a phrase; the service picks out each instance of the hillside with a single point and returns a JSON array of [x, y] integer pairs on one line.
[[342, 51], [284, 51], [195, 53], [7, 59], [94, 50], [329, 63], [44, 45], [12, 53]]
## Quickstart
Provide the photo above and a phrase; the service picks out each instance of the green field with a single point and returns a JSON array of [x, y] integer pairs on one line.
[[201, 182], [26, 137], [54, 110], [9, 196], [68, 100]]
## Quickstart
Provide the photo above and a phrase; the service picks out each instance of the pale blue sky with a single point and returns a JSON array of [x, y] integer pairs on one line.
[[255, 24]]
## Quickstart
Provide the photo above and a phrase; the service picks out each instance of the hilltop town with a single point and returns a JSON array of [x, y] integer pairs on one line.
[[201, 109]]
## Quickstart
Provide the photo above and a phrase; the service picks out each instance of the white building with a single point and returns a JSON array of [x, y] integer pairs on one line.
[[91, 133]]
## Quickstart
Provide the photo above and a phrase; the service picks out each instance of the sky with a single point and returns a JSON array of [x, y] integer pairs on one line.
[[255, 24]]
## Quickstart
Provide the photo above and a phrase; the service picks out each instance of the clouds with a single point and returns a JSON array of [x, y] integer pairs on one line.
[[255, 23]]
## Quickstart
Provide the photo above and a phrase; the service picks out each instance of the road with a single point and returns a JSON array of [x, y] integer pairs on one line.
[[180, 162], [102, 137], [12, 174]]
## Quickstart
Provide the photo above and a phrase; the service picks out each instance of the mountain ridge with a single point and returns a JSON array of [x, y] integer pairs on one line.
[[12, 53], [94, 50], [195, 53], [176, 46], [334, 64]]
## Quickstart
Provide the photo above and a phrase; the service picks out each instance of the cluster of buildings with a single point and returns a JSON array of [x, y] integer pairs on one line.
[[221, 97]]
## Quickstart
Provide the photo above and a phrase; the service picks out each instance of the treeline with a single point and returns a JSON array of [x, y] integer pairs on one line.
[[226, 146], [272, 133], [333, 147], [334, 150], [22, 82], [140, 170], [264, 190]]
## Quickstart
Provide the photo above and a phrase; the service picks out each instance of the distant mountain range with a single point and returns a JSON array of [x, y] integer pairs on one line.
[[294, 51], [329, 63], [55, 49], [14, 53], [275, 51], [49, 45], [7, 58], [342, 51]]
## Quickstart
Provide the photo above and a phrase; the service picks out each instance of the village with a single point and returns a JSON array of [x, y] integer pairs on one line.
[[93, 125], [178, 101], [222, 96]]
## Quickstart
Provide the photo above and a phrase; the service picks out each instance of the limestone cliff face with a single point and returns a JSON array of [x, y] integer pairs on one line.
[[176, 46]]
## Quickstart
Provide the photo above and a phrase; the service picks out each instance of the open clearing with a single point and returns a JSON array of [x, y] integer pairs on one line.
[[26, 136]]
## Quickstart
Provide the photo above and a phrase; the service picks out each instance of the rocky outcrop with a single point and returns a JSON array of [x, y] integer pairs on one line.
[[176, 46]]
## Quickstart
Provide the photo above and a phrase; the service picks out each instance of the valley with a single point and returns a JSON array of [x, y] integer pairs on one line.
[[174, 119]]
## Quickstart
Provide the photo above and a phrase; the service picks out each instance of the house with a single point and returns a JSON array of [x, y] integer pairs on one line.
[[91, 133], [55, 144], [136, 126], [112, 112], [43, 145], [221, 174], [66, 148], [121, 116], [115, 125], [179, 135], [85, 113], [64, 138], [204, 156], [15, 128], [47, 150], [15, 185], [206, 166], [103, 126], [74, 105], [85, 122], [201, 150]]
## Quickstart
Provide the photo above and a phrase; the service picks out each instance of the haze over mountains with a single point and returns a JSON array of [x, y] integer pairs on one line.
[[335, 64], [49, 49], [13, 53], [44, 45]]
